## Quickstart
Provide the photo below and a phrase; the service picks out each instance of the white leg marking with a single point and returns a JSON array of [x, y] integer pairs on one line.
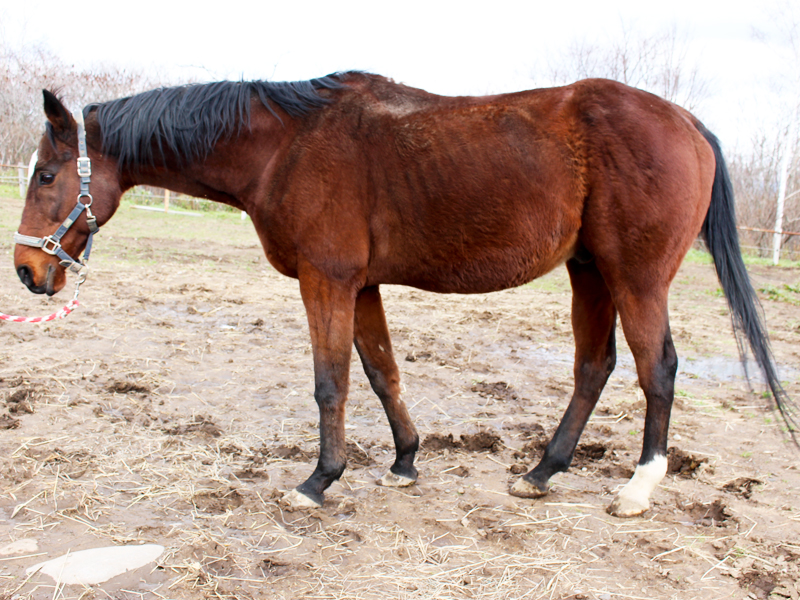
[[634, 498]]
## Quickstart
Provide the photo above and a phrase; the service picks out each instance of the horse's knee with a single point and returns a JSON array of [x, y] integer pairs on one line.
[[591, 375]]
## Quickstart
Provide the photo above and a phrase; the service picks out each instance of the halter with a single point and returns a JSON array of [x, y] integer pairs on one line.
[[52, 243]]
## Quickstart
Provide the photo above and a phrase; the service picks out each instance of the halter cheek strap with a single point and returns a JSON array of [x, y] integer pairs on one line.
[[52, 243]]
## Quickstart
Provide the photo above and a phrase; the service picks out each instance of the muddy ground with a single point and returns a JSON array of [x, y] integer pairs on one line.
[[175, 407]]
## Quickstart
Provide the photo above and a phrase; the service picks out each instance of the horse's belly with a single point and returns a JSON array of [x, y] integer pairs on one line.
[[473, 269]]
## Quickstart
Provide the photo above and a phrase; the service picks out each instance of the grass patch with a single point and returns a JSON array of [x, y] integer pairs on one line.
[[698, 257], [701, 257], [557, 281], [785, 293], [767, 262], [224, 227]]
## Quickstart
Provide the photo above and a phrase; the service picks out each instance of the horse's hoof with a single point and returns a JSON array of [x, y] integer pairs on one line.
[[393, 480], [525, 489], [297, 499], [627, 507]]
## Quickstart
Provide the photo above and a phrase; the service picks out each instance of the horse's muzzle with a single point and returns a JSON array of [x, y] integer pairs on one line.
[[26, 276]]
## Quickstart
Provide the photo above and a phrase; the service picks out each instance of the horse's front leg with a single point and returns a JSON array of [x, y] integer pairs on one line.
[[330, 308]]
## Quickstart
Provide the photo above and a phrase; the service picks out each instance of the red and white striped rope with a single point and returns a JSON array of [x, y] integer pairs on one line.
[[71, 305]]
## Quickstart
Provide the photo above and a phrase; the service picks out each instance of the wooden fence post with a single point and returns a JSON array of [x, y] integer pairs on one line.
[[166, 200], [23, 184]]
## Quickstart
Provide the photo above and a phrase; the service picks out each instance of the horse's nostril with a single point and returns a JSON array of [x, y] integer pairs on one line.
[[25, 275]]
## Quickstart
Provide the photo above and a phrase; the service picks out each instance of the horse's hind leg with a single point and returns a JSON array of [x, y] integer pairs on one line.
[[375, 349], [593, 323], [645, 321]]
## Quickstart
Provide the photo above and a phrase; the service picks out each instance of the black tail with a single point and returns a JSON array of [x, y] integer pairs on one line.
[[722, 240]]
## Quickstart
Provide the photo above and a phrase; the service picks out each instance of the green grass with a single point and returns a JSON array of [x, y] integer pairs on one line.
[[556, 281], [9, 191], [767, 262], [222, 227], [701, 257], [698, 257], [785, 293]]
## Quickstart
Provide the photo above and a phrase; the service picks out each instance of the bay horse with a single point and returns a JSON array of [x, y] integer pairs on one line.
[[353, 181]]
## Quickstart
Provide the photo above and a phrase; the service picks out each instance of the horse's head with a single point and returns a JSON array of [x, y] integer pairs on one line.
[[54, 192]]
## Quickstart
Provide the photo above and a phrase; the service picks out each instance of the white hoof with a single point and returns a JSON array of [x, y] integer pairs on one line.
[[392, 480], [523, 489], [627, 507], [297, 499]]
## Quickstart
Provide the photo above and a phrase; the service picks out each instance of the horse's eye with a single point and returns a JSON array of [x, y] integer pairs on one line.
[[46, 178]]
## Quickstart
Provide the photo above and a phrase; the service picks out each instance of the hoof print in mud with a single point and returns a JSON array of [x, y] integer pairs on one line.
[[744, 487], [711, 514]]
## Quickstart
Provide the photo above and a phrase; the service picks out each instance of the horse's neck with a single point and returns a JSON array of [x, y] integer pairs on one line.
[[226, 173]]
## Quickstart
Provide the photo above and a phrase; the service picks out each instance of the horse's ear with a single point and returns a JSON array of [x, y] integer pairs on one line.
[[59, 117]]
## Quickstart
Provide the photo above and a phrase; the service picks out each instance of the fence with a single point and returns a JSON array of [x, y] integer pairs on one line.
[[14, 180], [14, 175], [165, 200]]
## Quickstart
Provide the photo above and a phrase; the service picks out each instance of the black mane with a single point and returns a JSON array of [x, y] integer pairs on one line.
[[187, 121]]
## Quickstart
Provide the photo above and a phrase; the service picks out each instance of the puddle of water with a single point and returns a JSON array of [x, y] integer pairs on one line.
[[713, 369]]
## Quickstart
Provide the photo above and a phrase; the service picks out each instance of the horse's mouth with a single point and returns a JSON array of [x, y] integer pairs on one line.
[[26, 276], [50, 281]]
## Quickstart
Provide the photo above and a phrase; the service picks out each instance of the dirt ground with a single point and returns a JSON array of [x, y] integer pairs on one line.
[[175, 407]]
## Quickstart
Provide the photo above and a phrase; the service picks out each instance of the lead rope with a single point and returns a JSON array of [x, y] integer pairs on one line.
[[60, 314]]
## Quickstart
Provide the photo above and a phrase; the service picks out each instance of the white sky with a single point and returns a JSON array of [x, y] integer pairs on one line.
[[447, 47]]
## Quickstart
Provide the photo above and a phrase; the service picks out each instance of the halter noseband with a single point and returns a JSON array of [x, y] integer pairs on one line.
[[52, 243]]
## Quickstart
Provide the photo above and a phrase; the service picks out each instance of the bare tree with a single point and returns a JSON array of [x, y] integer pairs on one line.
[[26, 70], [755, 176], [657, 63], [768, 177]]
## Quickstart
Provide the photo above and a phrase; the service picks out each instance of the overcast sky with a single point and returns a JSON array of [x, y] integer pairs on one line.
[[446, 47]]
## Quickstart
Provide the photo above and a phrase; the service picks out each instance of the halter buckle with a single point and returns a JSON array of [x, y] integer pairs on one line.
[[56, 245], [84, 166]]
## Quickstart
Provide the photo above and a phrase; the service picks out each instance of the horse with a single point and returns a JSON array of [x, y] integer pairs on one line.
[[353, 180]]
